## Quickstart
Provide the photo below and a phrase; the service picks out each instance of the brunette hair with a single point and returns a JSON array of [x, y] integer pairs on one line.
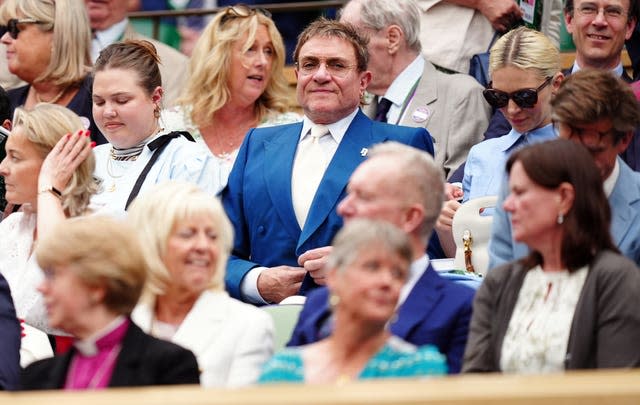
[[139, 56]]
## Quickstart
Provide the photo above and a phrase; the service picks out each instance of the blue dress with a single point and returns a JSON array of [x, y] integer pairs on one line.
[[396, 359]]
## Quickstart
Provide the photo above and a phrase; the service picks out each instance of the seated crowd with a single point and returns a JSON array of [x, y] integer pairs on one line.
[[144, 230]]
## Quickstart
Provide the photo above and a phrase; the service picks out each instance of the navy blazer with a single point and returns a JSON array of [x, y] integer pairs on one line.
[[437, 311], [143, 361], [257, 198], [9, 339]]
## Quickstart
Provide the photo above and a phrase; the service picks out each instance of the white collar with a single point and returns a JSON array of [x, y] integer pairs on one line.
[[337, 129], [610, 182], [416, 270], [88, 346], [398, 91], [106, 37], [618, 70]]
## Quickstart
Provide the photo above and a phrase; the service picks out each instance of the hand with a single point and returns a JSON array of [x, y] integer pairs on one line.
[[65, 157], [278, 283], [445, 219], [453, 191], [314, 261], [22, 334], [502, 14]]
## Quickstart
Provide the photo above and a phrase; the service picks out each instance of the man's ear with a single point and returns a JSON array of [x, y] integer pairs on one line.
[[7, 124], [395, 38]]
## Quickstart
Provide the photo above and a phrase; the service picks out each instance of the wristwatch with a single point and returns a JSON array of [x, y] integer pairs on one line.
[[50, 189]]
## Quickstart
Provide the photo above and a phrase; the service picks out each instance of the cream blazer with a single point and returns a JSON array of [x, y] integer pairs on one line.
[[231, 340]]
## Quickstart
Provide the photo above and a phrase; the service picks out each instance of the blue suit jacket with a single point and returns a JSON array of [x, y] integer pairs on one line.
[[625, 221], [9, 340], [437, 311], [257, 198]]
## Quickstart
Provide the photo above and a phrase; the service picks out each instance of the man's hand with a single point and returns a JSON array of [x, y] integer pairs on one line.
[[444, 227], [314, 261], [278, 283], [453, 191], [502, 14]]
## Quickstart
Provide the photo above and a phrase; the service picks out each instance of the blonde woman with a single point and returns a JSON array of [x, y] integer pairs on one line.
[[236, 83], [49, 172], [186, 239], [48, 46]]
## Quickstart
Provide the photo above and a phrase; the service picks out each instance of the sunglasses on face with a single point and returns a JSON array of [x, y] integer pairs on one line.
[[524, 98], [241, 11], [12, 26]]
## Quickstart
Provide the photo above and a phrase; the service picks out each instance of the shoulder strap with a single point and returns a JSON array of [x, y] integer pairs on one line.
[[157, 146]]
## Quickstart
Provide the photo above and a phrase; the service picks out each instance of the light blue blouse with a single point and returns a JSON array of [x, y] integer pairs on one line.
[[485, 167]]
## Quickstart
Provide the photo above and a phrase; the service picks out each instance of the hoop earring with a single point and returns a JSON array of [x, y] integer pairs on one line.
[[156, 112]]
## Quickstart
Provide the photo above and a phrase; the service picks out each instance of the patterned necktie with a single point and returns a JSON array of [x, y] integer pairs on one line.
[[308, 169], [382, 109]]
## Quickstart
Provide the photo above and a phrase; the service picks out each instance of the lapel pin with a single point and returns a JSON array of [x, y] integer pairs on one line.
[[363, 152], [421, 114]]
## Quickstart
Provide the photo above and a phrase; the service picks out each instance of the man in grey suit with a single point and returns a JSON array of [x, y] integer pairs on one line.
[[598, 110], [110, 24], [409, 90]]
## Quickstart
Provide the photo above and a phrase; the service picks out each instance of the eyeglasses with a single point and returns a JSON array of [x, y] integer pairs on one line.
[[587, 136], [524, 98], [335, 67], [611, 13], [12, 26], [241, 11]]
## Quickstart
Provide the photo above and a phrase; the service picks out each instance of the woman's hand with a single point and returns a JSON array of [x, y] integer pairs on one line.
[[444, 227], [65, 157]]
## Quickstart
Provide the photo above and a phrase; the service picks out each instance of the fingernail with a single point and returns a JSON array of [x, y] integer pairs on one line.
[[68, 136], [87, 133], [93, 144]]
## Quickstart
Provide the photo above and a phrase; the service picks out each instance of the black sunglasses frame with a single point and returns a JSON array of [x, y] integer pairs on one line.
[[12, 26], [524, 98]]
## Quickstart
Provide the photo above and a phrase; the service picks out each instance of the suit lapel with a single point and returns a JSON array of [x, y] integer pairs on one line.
[[279, 152], [203, 323], [624, 194], [124, 372], [60, 369], [421, 103], [419, 303], [347, 157]]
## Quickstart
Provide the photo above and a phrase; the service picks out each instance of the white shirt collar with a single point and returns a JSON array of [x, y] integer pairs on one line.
[[337, 129], [417, 269], [106, 37], [618, 70], [401, 89], [88, 346], [610, 182]]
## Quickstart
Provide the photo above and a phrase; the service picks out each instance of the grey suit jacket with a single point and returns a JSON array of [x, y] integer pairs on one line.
[[605, 330], [456, 114], [174, 67]]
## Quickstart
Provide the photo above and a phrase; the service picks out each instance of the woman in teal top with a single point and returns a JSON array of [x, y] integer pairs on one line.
[[367, 268]]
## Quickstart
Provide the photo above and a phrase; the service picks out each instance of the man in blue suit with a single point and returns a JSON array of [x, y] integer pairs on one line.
[[9, 340], [287, 180], [584, 111], [432, 309]]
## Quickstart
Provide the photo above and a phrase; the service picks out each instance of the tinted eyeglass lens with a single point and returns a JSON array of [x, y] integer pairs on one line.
[[525, 98], [3, 30], [496, 98], [12, 27]]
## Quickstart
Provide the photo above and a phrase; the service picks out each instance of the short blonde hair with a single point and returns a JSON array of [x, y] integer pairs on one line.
[[102, 252], [527, 49], [360, 235], [156, 213], [208, 89], [44, 125], [71, 46]]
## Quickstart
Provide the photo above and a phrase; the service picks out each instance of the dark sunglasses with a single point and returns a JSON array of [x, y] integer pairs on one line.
[[524, 98], [12, 26], [241, 11]]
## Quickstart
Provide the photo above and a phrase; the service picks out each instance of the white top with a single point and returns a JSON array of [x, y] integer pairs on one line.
[[19, 266], [230, 339], [180, 160], [178, 119], [538, 333]]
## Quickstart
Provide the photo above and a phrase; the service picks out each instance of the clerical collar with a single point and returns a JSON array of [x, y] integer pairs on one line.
[[106, 338]]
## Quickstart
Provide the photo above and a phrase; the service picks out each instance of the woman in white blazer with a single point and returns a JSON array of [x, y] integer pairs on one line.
[[186, 239]]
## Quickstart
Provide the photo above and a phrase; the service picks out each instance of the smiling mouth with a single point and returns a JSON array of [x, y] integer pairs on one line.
[[598, 37], [256, 77]]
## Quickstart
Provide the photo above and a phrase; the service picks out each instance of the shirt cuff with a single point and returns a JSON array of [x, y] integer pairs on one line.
[[249, 287]]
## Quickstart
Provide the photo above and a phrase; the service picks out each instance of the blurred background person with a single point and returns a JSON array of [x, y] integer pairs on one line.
[[598, 110], [571, 303], [48, 45], [186, 239], [368, 266], [49, 172], [9, 340], [236, 83], [110, 24], [525, 73], [127, 97], [94, 274]]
